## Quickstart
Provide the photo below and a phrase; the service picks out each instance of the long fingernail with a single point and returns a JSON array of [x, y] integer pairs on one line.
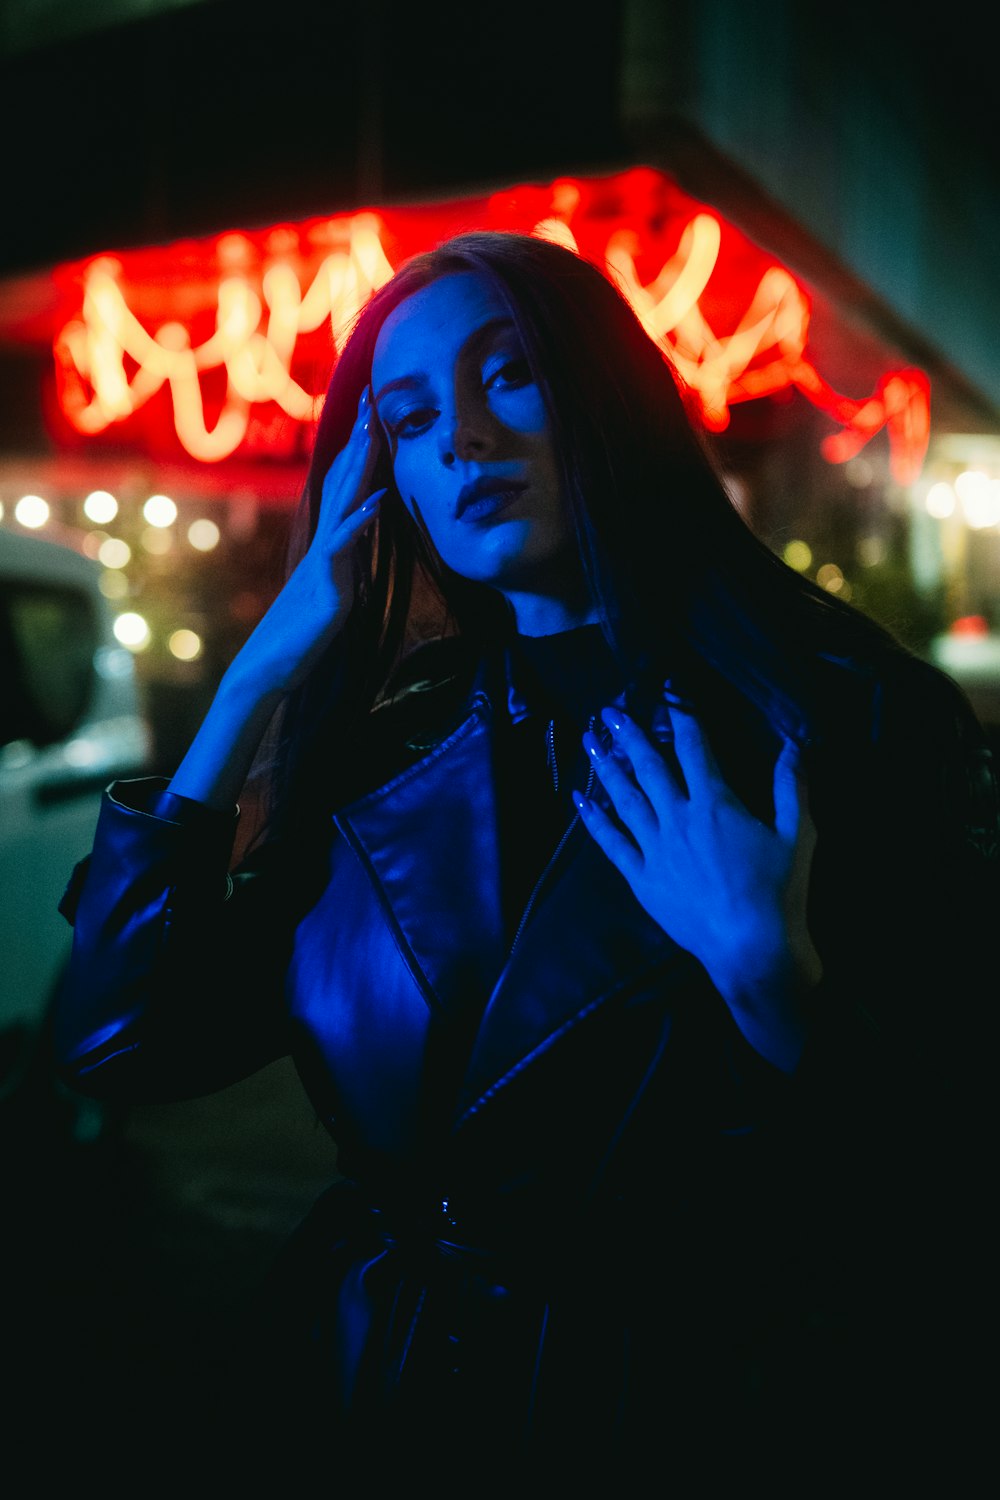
[[674, 698], [593, 746], [661, 727], [604, 735], [614, 718], [580, 802]]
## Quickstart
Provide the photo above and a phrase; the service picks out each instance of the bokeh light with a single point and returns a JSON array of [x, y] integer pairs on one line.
[[100, 506], [798, 555], [186, 645], [114, 553], [113, 585], [940, 501], [132, 631], [32, 511], [160, 510], [871, 551], [157, 541], [204, 535], [93, 542], [980, 497]]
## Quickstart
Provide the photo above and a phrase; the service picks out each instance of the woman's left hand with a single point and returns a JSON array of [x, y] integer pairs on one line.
[[727, 887]]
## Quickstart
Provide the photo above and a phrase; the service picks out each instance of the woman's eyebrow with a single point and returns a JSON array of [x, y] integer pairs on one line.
[[401, 383], [420, 377], [488, 329]]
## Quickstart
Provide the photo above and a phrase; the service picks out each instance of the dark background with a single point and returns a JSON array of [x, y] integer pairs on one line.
[[132, 1238]]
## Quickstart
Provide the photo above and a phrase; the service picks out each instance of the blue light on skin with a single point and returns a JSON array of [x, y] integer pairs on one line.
[[459, 406]]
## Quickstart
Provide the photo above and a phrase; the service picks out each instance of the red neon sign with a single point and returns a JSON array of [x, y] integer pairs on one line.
[[238, 333]]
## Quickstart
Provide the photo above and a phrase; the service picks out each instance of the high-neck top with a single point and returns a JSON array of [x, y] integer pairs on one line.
[[566, 679], [573, 671]]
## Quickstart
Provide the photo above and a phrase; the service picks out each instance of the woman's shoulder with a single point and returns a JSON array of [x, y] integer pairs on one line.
[[919, 740], [897, 694]]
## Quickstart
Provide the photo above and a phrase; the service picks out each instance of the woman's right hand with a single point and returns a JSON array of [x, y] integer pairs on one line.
[[317, 598]]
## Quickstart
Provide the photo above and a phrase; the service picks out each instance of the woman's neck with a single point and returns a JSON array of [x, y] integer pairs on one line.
[[536, 614]]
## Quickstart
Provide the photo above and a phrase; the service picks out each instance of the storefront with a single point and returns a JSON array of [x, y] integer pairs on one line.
[[167, 396]]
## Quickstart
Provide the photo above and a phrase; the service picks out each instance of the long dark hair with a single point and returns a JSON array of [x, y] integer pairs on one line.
[[674, 570]]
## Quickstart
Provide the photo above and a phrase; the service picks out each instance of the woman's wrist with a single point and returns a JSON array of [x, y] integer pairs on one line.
[[769, 998], [247, 694], [215, 767]]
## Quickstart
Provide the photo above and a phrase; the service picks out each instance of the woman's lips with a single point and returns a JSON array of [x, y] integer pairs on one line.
[[483, 506]]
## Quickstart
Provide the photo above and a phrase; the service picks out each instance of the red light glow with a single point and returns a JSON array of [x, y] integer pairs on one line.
[[970, 625], [238, 332]]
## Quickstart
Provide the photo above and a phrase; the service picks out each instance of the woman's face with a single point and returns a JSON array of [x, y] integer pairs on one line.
[[470, 441]]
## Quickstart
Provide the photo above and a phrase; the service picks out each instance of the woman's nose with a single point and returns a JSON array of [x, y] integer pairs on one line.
[[466, 436]]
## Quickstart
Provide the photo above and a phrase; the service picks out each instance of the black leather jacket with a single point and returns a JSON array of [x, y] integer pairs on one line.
[[575, 1201]]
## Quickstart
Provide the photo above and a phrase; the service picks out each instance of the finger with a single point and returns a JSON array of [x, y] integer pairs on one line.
[[628, 799], [356, 520], [657, 782], [695, 755], [623, 853], [343, 482]]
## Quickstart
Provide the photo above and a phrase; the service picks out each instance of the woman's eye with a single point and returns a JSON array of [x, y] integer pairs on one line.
[[410, 423], [509, 374]]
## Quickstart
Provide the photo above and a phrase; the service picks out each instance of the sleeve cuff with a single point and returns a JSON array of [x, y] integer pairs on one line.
[[151, 796], [144, 821]]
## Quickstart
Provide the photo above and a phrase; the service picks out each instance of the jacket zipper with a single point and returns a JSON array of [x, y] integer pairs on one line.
[[553, 766], [540, 882]]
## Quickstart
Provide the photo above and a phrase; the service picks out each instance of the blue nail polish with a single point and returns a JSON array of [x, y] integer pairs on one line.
[[661, 728], [613, 717], [593, 746], [674, 698], [580, 802]]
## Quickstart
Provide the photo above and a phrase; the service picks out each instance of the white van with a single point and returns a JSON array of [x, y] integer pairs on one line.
[[71, 720]]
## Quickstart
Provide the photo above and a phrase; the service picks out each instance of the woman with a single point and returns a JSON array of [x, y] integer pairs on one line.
[[617, 899]]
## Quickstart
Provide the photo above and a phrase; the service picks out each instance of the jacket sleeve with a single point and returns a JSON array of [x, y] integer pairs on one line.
[[174, 987]]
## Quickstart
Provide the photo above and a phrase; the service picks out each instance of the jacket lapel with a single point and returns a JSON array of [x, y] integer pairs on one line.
[[429, 841], [587, 942]]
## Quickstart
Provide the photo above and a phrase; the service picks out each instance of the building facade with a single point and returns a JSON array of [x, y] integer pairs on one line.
[[801, 207]]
